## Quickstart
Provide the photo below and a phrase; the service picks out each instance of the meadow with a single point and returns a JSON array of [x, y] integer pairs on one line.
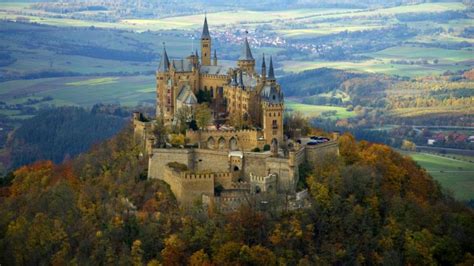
[[453, 174], [310, 110], [79, 91]]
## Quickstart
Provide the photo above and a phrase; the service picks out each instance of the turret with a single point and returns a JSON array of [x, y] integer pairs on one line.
[[162, 77], [164, 61], [205, 45], [264, 68], [215, 58], [246, 61], [271, 72]]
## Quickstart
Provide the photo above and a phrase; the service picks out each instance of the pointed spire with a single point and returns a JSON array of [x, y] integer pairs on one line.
[[164, 61], [264, 67], [271, 73], [197, 55], [205, 30], [246, 52], [215, 57]]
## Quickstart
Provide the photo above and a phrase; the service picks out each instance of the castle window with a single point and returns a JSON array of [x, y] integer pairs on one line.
[[274, 124]]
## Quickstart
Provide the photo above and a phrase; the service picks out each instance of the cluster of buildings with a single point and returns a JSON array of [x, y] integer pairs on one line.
[[224, 166]]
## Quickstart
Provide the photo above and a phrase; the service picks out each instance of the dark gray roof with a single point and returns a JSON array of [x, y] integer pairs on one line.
[[164, 61], [205, 30], [271, 72], [271, 94], [213, 70], [263, 61], [186, 95], [181, 65], [246, 52]]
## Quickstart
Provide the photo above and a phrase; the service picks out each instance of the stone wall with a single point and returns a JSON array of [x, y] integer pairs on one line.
[[287, 177], [210, 160], [314, 153], [245, 140], [194, 185], [161, 157]]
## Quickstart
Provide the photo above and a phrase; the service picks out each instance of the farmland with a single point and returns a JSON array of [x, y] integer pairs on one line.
[[310, 110], [453, 174]]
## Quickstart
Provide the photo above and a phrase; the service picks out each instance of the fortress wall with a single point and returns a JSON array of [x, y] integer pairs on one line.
[[225, 179], [255, 163], [193, 186], [246, 139], [171, 177], [286, 174], [140, 130], [211, 160], [314, 153], [161, 157]]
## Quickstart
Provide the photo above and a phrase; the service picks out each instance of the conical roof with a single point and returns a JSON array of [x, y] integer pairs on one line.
[[205, 30], [271, 72], [164, 65], [246, 52]]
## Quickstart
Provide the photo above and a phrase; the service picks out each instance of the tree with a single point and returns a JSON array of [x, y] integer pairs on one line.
[[183, 117], [137, 253], [199, 258], [161, 132], [408, 145], [203, 115], [177, 139], [174, 251]]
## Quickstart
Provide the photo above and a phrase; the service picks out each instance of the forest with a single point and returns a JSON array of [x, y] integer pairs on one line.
[[58, 133], [370, 205]]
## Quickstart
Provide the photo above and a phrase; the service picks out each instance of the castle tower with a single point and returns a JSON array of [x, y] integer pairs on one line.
[[264, 68], [205, 45], [272, 108], [246, 61], [272, 121], [163, 101]]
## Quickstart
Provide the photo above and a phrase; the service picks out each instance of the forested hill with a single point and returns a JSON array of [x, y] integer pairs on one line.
[[363, 89], [370, 205], [54, 134], [315, 81]]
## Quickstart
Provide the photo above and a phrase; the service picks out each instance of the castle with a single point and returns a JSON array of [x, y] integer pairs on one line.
[[244, 152]]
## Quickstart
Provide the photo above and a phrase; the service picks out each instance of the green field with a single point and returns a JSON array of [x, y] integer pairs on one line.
[[383, 66], [455, 175], [80, 91], [316, 110]]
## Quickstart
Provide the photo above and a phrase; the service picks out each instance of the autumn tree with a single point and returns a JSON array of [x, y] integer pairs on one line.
[[203, 115]]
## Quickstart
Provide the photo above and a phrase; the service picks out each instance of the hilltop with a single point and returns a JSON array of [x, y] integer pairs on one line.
[[370, 205]]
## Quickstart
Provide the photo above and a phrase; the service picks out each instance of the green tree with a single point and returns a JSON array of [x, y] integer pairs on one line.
[[203, 115]]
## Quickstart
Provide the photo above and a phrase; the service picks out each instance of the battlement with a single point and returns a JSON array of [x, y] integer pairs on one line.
[[261, 179], [221, 131], [196, 176], [273, 105], [240, 185]]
